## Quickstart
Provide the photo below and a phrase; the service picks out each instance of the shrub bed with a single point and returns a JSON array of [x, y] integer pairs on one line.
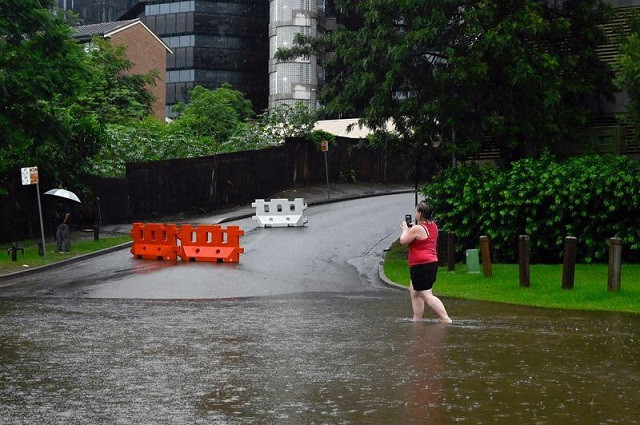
[[592, 198]]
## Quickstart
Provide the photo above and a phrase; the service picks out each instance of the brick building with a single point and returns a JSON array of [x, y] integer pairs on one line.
[[145, 50]]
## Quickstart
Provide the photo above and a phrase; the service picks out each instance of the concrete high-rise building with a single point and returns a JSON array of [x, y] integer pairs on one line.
[[296, 80]]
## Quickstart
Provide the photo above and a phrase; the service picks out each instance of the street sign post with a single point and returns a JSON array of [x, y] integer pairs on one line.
[[324, 147], [29, 177]]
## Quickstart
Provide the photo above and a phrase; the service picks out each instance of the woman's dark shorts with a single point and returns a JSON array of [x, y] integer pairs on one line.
[[423, 276]]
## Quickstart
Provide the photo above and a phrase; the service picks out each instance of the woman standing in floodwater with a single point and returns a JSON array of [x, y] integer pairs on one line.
[[423, 263]]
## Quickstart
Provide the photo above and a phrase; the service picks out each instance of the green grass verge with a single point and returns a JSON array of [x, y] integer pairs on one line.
[[30, 258], [589, 292]]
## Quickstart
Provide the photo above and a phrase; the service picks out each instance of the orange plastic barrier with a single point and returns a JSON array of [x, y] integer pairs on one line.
[[210, 243], [155, 241]]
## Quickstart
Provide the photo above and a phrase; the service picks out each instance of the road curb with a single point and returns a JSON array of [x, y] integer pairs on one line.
[[62, 263], [386, 280]]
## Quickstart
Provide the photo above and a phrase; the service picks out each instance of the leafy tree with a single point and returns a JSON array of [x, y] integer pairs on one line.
[[518, 73], [146, 140], [41, 70], [149, 139], [203, 127], [628, 72], [289, 121], [112, 94], [273, 126], [529, 78], [216, 114]]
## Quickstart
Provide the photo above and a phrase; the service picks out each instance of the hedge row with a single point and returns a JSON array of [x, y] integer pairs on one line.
[[592, 198]]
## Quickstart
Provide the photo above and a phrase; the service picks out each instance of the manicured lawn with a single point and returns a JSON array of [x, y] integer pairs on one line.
[[589, 292], [31, 258]]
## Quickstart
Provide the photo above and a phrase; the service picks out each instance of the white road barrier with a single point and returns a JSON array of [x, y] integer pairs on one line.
[[280, 212]]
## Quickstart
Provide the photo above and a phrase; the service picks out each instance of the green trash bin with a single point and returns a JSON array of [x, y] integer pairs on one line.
[[473, 261]]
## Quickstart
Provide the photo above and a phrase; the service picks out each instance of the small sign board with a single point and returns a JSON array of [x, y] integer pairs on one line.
[[29, 175], [324, 146]]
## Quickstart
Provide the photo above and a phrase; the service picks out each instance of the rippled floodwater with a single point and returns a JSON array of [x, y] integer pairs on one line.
[[325, 358]]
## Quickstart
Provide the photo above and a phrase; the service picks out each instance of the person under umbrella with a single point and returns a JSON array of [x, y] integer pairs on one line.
[[63, 216]]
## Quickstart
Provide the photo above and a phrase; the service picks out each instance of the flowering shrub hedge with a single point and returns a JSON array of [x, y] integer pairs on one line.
[[592, 198]]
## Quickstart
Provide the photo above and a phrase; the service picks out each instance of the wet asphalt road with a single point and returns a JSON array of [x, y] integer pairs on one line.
[[338, 250]]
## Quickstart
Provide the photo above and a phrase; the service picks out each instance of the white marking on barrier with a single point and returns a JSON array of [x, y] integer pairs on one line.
[[280, 212]]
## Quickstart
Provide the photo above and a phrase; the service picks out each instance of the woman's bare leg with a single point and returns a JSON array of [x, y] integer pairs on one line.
[[436, 305], [417, 303]]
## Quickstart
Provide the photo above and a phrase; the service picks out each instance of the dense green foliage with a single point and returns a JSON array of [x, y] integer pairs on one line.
[[216, 114], [203, 127], [215, 121], [592, 198], [112, 93], [517, 73], [274, 125], [56, 96], [146, 140], [42, 71]]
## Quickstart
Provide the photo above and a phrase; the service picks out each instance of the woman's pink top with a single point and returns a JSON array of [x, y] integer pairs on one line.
[[424, 251]]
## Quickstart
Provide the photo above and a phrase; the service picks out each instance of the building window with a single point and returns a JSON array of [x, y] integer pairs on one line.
[[173, 7], [181, 57], [161, 24], [171, 92], [171, 24], [180, 41], [180, 76]]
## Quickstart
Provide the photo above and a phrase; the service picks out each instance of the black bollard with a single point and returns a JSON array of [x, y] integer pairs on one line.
[[615, 264], [96, 232], [40, 247], [13, 251], [569, 262], [451, 251], [486, 256], [523, 261]]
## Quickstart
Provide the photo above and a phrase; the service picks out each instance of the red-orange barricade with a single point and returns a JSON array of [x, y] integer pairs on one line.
[[155, 241], [210, 243]]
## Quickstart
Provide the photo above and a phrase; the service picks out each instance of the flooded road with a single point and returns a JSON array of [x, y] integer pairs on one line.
[[351, 357], [338, 250]]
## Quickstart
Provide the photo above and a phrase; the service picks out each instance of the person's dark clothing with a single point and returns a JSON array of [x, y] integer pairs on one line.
[[63, 216]]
